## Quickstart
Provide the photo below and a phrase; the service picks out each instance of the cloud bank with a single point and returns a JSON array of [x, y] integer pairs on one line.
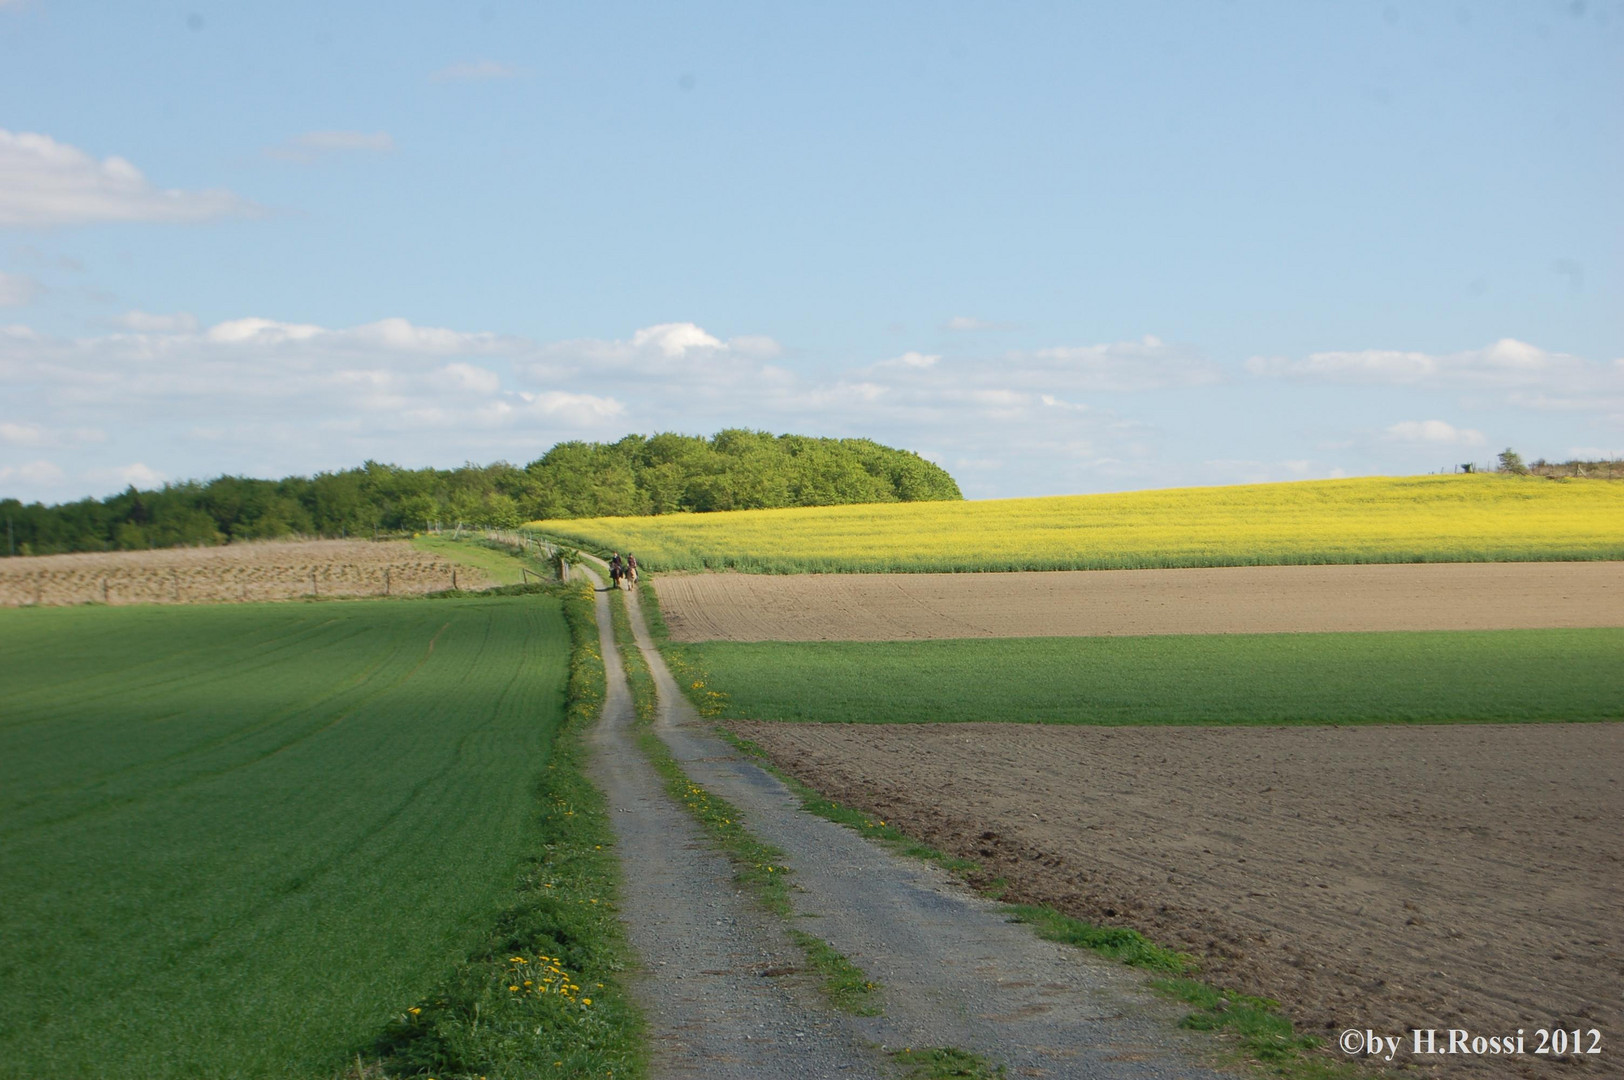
[[166, 393], [44, 182]]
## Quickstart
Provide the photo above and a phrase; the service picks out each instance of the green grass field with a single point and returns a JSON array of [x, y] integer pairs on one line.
[[1502, 675], [241, 841], [500, 563]]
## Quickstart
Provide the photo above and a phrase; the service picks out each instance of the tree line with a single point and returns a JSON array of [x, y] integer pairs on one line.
[[661, 474]]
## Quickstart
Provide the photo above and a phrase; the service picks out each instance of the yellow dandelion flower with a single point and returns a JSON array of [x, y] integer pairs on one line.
[[513, 988], [586, 1001]]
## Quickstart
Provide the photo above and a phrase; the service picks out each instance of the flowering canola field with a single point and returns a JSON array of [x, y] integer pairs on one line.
[[1466, 518]]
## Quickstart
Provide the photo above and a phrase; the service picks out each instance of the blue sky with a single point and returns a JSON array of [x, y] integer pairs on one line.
[[1055, 247]]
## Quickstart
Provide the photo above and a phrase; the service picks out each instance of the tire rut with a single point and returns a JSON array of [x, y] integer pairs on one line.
[[720, 981], [955, 971]]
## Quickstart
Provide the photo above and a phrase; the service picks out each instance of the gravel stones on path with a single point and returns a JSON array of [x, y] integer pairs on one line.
[[955, 971], [719, 983]]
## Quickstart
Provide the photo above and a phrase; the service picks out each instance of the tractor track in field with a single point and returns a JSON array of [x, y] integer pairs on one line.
[[955, 971]]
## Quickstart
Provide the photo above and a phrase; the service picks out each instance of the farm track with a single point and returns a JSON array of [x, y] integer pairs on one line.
[[1087, 603], [955, 971], [719, 982]]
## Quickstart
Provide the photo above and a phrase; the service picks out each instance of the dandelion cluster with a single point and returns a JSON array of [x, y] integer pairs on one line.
[[542, 977]]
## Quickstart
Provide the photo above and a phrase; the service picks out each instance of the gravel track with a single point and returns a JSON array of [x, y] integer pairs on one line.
[[713, 982], [955, 971]]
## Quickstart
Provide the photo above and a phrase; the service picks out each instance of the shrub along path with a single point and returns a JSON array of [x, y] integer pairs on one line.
[[954, 970]]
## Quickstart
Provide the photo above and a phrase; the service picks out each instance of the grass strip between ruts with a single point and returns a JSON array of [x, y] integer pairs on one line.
[[944, 1063], [1260, 1034], [758, 867], [543, 997]]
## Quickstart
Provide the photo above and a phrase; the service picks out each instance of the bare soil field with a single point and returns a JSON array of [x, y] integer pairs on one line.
[[234, 573], [1376, 877], [1079, 603]]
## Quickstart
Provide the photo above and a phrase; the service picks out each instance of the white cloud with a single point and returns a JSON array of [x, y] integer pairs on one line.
[[476, 71], [132, 475], [1146, 364], [674, 339], [17, 290], [21, 434], [143, 322], [964, 324], [44, 182], [685, 356], [282, 391], [1436, 432], [316, 144], [561, 403], [1505, 364], [35, 435], [913, 360], [470, 378], [32, 474]]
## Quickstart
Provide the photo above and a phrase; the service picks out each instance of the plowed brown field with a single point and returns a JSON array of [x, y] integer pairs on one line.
[[1082, 603], [237, 572], [1375, 877]]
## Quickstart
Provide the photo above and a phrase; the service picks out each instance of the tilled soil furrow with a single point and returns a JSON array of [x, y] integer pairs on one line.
[[955, 971], [719, 984], [1088, 603]]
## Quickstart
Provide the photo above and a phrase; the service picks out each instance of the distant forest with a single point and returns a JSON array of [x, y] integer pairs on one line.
[[660, 474]]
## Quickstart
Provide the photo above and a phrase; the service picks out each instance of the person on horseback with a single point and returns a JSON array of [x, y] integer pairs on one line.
[[631, 569], [616, 570]]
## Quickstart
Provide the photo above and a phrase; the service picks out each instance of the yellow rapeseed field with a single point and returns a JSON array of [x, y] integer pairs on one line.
[[1465, 518]]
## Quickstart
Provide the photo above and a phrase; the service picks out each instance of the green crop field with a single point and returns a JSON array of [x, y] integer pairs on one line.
[[499, 563], [240, 841], [1501, 675]]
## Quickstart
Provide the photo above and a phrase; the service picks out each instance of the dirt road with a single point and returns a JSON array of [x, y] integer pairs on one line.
[[1384, 877], [1075, 603], [713, 980], [955, 971]]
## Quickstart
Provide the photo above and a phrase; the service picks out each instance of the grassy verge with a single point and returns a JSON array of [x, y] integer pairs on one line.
[[501, 563], [758, 867], [1254, 1026], [543, 995], [1513, 676]]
